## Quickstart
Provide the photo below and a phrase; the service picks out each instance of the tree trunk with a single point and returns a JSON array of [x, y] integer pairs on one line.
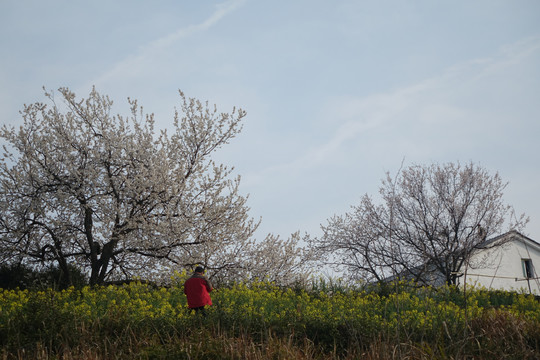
[[65, 276]]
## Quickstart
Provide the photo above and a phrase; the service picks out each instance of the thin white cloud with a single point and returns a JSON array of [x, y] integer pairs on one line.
[[136, 63], [437, 101], [221, 11]]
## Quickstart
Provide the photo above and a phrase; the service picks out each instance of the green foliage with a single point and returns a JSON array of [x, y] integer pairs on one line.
[[139, 321], [16, 276], [20, 276]]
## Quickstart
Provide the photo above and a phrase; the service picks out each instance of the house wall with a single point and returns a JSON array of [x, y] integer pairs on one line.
[[501, 267]]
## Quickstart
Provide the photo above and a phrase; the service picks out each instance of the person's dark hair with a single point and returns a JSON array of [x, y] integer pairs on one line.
[[199, 269]]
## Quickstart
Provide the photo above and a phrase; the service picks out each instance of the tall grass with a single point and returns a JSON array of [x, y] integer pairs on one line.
[[263, 321]]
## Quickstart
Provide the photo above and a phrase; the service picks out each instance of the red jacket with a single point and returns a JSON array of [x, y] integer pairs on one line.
[[197, 289]]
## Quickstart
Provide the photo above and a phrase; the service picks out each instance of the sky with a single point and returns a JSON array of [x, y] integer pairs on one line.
[[337, 93]]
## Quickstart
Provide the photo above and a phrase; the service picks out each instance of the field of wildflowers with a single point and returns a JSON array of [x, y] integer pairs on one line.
[[261, 320]]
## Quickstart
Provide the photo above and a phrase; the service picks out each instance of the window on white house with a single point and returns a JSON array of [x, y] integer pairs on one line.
[[527, 268]]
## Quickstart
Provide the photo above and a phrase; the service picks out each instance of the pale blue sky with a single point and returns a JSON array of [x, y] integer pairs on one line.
[[337, 92]]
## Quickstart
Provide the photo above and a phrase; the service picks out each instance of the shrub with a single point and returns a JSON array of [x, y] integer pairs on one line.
[[21, 276]]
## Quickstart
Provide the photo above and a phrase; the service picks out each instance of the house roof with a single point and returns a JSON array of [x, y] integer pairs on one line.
[[507, 237]]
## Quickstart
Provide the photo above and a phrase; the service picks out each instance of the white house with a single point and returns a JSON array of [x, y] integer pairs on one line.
[[509, 266]]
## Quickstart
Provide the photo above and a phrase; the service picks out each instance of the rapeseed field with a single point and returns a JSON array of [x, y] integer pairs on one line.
[[261, 320]]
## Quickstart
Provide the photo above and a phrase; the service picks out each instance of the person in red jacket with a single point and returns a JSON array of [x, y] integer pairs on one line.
[[197, 289]]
